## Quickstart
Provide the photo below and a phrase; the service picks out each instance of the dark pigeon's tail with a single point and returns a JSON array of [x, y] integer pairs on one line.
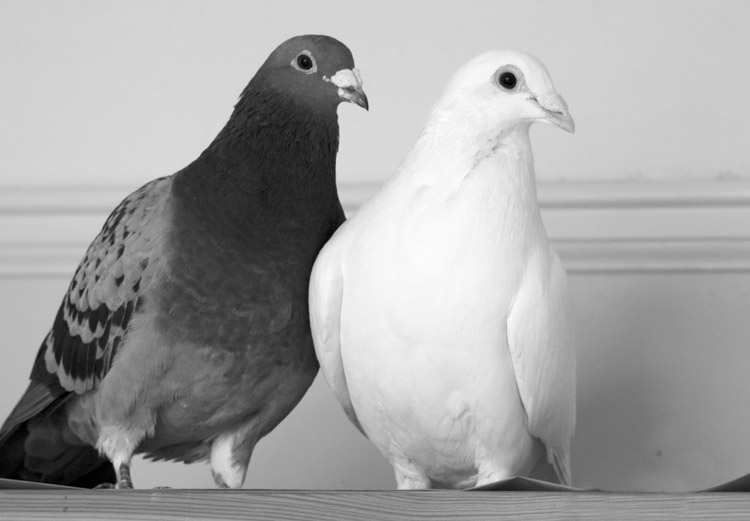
[[43, 449]]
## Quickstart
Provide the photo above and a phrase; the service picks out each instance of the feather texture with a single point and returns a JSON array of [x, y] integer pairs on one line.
[[105, 290]]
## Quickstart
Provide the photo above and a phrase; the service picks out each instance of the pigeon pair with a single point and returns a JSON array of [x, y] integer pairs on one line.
[[437, 313]]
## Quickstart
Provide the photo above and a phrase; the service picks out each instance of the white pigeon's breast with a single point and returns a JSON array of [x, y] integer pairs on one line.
[[446, 408], [423, 335]]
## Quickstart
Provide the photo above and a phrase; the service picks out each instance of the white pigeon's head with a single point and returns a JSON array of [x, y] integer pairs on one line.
[[499, 91]]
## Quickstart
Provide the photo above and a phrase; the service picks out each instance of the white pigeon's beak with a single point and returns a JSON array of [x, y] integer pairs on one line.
[[556, 111], [349, 82]]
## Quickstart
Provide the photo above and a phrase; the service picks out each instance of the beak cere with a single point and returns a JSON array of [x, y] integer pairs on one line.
[[557, 111], [349, 83]]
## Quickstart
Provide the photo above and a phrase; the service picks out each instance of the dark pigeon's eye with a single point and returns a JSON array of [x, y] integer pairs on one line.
[[304, 62], [507, 80]]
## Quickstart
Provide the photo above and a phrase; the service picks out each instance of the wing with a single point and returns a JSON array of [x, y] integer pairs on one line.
[[542, 348], [326, 290], [98, 307]]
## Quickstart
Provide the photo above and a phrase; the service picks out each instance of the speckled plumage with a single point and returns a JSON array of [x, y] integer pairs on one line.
[[184, 333], [104, 292]]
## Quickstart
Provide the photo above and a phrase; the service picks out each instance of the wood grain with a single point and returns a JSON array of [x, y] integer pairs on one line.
[[365, 505]]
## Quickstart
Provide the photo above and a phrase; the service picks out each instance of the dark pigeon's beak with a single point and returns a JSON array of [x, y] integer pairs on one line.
[[356, 96], [349, 83]]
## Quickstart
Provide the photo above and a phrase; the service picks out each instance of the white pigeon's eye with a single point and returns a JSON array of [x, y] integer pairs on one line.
[[305, 62], [509, 78]]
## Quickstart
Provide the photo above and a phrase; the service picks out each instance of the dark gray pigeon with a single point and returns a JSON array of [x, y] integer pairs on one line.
[[185, 334]]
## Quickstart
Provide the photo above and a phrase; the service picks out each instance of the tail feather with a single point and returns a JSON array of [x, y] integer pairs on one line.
[[42, 456], [40, 447], [561, 464]]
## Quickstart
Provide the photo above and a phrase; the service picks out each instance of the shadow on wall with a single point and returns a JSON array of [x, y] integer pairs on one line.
[[662, 380]]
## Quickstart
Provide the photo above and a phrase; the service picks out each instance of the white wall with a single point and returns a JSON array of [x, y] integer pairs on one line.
[[123, 91], [649, 203]]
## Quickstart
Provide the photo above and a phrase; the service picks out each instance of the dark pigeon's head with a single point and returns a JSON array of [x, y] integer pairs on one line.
[[313, 69]]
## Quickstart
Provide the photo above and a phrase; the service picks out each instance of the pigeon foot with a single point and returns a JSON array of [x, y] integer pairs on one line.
[[124, 482]]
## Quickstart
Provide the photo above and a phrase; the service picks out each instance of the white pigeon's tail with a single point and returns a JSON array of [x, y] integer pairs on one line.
[[561, 464]]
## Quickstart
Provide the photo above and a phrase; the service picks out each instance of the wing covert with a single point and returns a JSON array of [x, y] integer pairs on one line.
[[105, 293], [326, 291], [542, 348]]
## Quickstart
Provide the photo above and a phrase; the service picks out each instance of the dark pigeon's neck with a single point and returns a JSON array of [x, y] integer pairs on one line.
[[274, 161]]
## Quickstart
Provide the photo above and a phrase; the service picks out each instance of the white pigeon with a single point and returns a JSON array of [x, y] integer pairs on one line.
[[439, 310]]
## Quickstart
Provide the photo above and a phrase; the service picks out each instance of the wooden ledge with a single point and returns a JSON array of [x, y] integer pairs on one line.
[[366, 505]]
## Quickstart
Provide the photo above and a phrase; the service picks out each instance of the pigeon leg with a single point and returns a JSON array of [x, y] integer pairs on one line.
[[219, 480], [230, 455], [410, 478], [123, 480], [123, 477]]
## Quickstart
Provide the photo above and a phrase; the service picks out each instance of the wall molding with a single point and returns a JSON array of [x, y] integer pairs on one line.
[[20, 199], [633, 226]]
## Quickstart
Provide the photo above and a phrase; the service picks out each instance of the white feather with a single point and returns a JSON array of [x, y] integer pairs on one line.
[[227, 473]]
